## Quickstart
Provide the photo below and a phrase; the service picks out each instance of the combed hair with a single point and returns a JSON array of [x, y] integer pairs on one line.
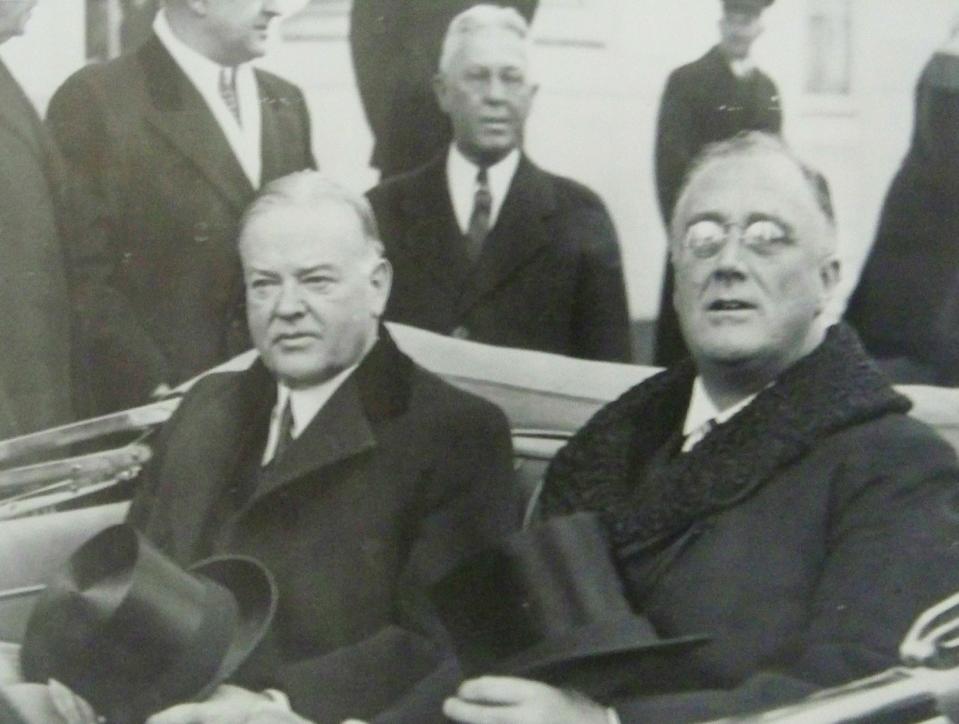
[[307, 190], [749, 143], [476, 19]]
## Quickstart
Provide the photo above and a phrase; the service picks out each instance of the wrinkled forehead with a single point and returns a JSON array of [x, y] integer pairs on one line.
[[491, 46], [737, 189], [325, 232]]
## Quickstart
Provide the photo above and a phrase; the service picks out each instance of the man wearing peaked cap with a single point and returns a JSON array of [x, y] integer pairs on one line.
[[711, 99]]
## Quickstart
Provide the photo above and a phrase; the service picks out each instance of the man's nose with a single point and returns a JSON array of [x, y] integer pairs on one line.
[[495, 90], [730, 258], [289, 302]]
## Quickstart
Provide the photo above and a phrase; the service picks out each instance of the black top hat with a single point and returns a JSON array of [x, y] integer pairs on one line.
[[132, 633], [547, 603]]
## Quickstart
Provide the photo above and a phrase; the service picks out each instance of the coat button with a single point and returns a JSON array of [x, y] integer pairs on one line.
[[461, 332], [201, 232]]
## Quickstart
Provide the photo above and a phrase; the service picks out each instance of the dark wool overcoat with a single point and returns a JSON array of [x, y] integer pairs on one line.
[[906, 305], [159, 291], [804, 534], [396, 478], [549, 276]]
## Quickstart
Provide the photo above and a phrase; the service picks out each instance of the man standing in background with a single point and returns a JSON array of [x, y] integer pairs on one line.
[[708, 100], [172, 141], [486, 245], [36, 366], [396, 48]]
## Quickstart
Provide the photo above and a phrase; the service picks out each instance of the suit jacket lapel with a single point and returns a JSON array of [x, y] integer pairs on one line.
[[339, 431], [433, 237], [518, 235], [19, 115], [179, 113]]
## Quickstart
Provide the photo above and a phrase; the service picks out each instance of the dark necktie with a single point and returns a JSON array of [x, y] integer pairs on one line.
[[284, 433], [480, 218], [228, 91]]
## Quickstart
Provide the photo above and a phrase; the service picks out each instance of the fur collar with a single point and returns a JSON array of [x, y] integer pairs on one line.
[[833, 388]]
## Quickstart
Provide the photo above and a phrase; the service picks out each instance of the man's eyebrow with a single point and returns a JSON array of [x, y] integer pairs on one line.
[[773, 218], [323, 267], [705, 216]]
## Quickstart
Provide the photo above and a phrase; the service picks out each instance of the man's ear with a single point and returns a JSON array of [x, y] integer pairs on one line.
[[440, 90], [830, 274], [381, 281]]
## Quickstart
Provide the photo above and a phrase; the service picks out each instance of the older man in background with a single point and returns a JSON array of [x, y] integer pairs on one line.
[[772, 492], [485, 245], [173, 140]]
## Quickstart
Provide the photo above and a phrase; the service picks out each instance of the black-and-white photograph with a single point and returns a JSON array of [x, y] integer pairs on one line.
[[479, 361]]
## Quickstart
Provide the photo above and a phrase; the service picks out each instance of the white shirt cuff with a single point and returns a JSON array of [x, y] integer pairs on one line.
[[612, 717]]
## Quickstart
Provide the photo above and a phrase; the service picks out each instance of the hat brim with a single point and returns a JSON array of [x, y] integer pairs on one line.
[[611, 647], [255, 591]]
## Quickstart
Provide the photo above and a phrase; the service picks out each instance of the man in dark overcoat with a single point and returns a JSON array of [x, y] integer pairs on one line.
[[37, 364], [711, 99], [485, 245], [354, 475], [772, 492], [395, 48], [173, 140]]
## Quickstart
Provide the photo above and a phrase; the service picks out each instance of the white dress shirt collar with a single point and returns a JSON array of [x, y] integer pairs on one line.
[[702, 409], [461, 182], [742, 67], [305, 404], [204, 74]]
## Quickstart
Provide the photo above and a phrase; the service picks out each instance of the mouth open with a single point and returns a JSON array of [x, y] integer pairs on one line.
[[729, 305]]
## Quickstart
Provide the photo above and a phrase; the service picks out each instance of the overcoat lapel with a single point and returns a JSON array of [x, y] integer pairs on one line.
[[179, 113], [433, 237], [517, 237], [225, 430], [339, 431]]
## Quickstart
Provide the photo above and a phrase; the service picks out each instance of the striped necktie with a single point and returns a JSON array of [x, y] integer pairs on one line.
[[480, 218], [228, 92]]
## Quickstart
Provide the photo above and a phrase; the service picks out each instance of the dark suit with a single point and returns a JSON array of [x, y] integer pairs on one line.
[[398, 476], [549, 276], [159, 293], [396, 51], [36, 365], [703, 102]]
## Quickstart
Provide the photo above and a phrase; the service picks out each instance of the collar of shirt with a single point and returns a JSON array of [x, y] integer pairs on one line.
[[461, 182], [304, 404], [742, 67], [702, 409], [204, 74]]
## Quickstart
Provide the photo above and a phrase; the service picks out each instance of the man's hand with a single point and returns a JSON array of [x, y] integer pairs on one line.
[[229, 705], [506, 700]]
